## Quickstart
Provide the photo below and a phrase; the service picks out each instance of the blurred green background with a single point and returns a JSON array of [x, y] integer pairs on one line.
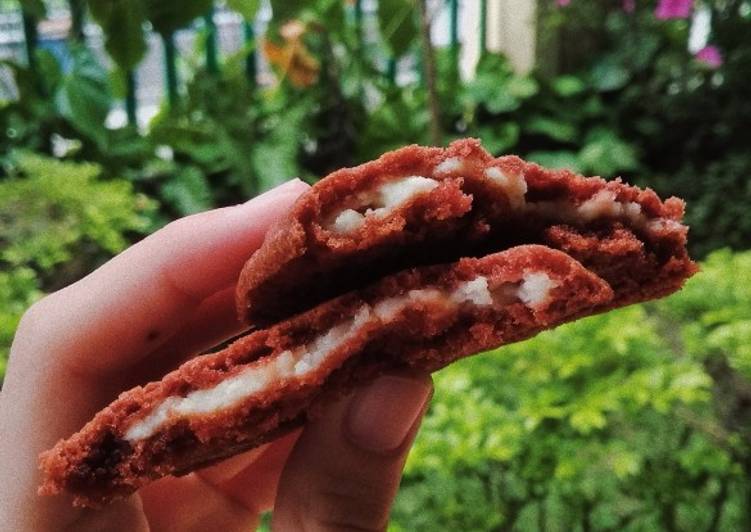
[[117, 117]]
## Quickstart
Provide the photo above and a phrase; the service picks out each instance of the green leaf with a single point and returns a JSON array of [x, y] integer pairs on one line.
[[247, 8], [502, 102], [122, 22], [606, 154], [83, 97], [609, 75], [188, 192], [593, 107], [166, 17], [48, 68], [522, 87], [274, 159], [643, 53], [496, 87], [499, 138], [35, 8], [284, 10], [555, 159], [397, 24], [587, 420], [625, 464], [494, 64], [330, 13], [567, 86], [57, 205], [554, 129]]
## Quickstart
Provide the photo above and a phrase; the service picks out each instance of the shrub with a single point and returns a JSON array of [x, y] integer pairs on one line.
[[58, 221]]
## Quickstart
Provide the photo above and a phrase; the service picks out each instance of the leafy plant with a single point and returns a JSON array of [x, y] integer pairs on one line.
[[677, 120], [57, 103], [57, 222]]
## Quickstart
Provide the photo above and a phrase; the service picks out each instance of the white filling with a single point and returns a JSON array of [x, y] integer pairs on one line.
[[513, 184], [475, 291], [534, 288], [452, 164], [395, 193], [317, 351], [603, 204], [664, 224], [382, 201], [347, 221], [297, 363], [600, 205], [387, 309], [285, 365]]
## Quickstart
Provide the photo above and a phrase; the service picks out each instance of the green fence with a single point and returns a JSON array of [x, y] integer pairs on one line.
[[358, 13]]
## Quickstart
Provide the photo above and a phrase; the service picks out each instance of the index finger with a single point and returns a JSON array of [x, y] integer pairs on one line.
[[119, 313]]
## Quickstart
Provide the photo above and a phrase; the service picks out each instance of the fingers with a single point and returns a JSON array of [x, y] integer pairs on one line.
[[232, 494], [344, 471], [255, 486], [120, 516], [189, 504], [249, 463], [213, 322]]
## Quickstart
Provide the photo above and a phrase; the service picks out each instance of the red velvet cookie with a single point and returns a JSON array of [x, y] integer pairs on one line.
[[418, 206]]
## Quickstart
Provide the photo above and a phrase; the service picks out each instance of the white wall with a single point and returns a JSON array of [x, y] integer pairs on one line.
[[511, 30]]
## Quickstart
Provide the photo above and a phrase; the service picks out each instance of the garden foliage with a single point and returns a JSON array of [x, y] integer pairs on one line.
[[57, 222], [616, 93], [634, 420]]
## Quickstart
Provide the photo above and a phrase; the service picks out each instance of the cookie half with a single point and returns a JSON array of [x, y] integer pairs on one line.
[[418, 206], [274, 380]]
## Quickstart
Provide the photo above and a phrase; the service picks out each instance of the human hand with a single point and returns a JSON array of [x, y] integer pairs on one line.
[[139, 316]]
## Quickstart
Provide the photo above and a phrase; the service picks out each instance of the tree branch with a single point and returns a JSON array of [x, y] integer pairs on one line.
[[430, 73]]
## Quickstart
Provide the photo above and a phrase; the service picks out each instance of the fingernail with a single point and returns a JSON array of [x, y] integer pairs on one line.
[[292, 184], [381, 415]]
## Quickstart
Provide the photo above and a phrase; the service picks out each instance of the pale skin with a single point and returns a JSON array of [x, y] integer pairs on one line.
[[140, 315]]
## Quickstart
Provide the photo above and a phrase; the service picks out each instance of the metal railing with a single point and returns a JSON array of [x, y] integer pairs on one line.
[[19, 25]]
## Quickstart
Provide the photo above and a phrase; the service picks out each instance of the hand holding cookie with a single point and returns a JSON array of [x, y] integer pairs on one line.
[[165, 299]]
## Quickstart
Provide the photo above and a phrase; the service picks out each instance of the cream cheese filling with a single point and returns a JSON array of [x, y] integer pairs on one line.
[[447, 166], [381, 201], [513, 185], [533, 290]]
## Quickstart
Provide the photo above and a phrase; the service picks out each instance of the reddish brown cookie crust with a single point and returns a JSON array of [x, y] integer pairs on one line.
[[98, 464], [302, 262]]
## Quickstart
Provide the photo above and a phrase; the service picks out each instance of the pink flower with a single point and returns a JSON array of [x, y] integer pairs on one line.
[[562, 3], [667, 9], [710, 56], [629, 6]]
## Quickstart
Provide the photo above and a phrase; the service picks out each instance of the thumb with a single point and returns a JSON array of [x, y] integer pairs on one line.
[[344, 471]]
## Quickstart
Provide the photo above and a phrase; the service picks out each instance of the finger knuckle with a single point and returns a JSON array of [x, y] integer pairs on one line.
[[182, 226], [173, 228], [350, 504], [34, 318]]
